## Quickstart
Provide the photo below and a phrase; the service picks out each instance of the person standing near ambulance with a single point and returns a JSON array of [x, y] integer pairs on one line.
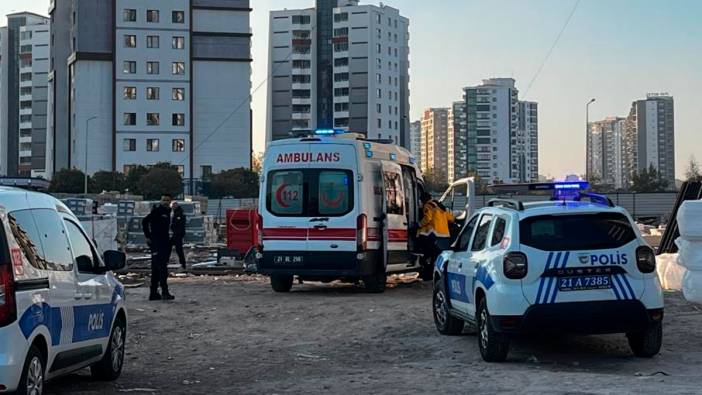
[[178, 229], [433, 234], [156, 228]]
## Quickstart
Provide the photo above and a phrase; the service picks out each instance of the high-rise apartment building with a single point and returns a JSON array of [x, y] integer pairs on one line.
[[606, 152], [151, 81], [525, 147], [3, 101], [457, 142], [415, 145], [339, 65], [434, 156]]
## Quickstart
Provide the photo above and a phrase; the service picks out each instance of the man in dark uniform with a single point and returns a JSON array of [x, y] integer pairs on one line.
[[178, 230], [156, 229]]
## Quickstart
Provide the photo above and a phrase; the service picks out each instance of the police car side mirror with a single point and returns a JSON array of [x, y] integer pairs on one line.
[[115, 260]]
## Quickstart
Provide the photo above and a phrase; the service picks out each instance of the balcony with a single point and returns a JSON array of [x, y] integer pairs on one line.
[[302, 100], [301, 115], [302, 85]]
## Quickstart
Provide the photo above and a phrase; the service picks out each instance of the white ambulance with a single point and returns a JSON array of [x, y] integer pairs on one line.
[[337, 206]]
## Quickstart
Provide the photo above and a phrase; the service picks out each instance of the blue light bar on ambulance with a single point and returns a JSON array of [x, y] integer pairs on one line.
[[328, 132]]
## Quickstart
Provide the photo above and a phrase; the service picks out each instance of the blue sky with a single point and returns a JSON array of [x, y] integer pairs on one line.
[[613, 50]]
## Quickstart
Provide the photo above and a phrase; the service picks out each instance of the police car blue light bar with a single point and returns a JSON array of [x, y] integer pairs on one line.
[[328, 132], [541, 186]]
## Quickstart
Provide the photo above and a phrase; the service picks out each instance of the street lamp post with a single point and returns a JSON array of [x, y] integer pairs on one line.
[[87, 123], [588, 170]]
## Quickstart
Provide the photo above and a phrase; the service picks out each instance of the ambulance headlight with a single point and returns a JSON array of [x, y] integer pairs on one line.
[[515, 265]]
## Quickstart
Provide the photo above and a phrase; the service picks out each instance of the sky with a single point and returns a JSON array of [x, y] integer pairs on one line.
[[615, 51]]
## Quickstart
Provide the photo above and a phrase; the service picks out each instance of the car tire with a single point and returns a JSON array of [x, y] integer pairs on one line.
[[445, 323], [494, 346], [281, 283], [110, 366], [32, 379], [375, 283], [647, 344]]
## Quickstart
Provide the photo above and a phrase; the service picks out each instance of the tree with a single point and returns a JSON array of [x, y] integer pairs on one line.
[[107, 181], [648, 180], [435, 180], [693, 170], [133, 178], [68, 181], [239, 183], [161, 179]]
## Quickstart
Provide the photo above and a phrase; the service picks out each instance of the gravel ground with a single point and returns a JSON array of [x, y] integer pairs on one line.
[[234, 335]]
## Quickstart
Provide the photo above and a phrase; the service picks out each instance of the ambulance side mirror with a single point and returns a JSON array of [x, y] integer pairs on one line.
[[115, 260]]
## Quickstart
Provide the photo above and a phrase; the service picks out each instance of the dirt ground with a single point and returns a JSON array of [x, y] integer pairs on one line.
[[234, 335]]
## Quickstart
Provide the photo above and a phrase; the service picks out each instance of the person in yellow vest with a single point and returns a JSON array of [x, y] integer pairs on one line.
[[433, 235]]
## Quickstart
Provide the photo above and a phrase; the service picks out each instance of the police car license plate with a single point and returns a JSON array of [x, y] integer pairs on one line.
[[583, 283], [288, 259]]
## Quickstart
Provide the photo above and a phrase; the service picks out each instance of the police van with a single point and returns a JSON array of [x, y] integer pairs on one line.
[[335, 205], [61, 308], [573, 263]]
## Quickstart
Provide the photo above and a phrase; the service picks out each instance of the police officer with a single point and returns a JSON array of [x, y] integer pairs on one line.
[[156, 229], [178, 231]]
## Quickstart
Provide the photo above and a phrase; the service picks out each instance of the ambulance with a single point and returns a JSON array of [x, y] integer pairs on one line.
[[335, 205]]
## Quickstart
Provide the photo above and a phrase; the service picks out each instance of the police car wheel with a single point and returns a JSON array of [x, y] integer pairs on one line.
[[110, 366], [445, 323], [32, 381], [494, 346], [647, 344], [281, 283]]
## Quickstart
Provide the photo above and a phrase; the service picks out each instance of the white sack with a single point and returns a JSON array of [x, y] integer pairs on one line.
[[692, 286], [690, 220], [669, 272], [689, 253]]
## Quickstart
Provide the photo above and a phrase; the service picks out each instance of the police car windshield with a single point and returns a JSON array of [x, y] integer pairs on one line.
[[576, 232], [310, 192]]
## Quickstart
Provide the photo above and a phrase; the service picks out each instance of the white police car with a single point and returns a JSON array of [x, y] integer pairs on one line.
[[563, 265], [61, 309]]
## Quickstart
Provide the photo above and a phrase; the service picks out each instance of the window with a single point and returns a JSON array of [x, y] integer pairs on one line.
[[178, 17], [178, 119], [380, 123], [301, 78], [481, 233], [341, 62], [129, 145], [25, 49], [378, 18], [341, 92], [152, 41], [464, 238], [84, 255], [378, 48], [152, 68], [576, 232], [152, 93], [498, 233], [129, 41], [379, 78], [130, 93], [338, 77], [129, 118], [129, 67], [129, 15], [342, 31], [178, 68], [341, 17], [301, 64], [178, 42], [178, 145], [152, 16], [379, 93], [153, 119], [394, 197], [379, 108], [178, 94], [341, 47], [301, 19], [152, 145], [341, 107], [42, 239], [311, 192]]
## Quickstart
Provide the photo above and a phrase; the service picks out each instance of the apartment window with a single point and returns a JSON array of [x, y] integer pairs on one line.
[[178, 145], [25, 49], [379, 93], [338, 77], [129, 67], [152, 41], [25, 118], [152, 16], [178, 42], [378, 18], [26, 90], [130, 93], [301, 64], [178, 94], [153, 119], [341, 92], [379, 48], [379, 108], [129, 118], [26, 35], [178, 17], [152, 93], [341, 107], [395, 37], [129, 145], [301, 79], [341, 31], [178, 119], [395, 52], [342, 17], [152, 68], [129, 41], [379, 78], [379, 63], [389, 124], [389, 22], [178, 68], [341, 62], [301, 20], [152, 145], [395, 22], [380, 123], [129, 15], [379, 33], [341, 47]]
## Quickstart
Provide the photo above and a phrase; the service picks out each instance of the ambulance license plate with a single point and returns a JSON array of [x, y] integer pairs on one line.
[[584, 283], [288, 260]]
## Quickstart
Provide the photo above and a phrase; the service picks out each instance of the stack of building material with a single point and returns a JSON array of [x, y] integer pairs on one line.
[[80, 207], [690, 248]]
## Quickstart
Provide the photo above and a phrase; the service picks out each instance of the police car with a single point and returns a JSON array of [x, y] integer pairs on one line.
[[575, 264], [61, 309]]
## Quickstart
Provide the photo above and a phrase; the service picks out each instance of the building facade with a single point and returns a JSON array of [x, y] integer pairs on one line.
[[525, 147], [434, 155], [3, 101], [606, 152], [339, 65], [416, 141], [458, 142], [152, 81]]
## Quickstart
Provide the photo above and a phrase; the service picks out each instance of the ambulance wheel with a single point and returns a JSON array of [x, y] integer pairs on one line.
[[375, 283], [281, 283], [445, 323], [32, 380], [647, 344], [494, 347], [110, 366]]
